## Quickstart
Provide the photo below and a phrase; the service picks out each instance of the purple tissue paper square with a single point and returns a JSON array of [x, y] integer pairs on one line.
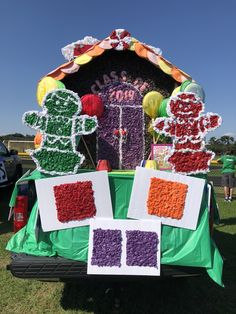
[[141, 247], [107, 246]]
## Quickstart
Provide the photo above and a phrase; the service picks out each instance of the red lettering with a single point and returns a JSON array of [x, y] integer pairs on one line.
[[131, 94], [119, 95], [144, 86], [112, 96]]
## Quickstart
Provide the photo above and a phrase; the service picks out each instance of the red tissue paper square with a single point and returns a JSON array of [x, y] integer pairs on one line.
[[74, 201]]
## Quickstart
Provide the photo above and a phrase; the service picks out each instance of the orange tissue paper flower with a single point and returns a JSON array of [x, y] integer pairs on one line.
[[166, 198]]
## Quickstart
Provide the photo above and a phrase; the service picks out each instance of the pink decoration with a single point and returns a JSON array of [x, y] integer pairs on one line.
[[120, 39], [188, 127]]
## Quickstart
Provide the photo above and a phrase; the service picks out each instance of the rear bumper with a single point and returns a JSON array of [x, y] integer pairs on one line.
[[6, 184], [58, 268]]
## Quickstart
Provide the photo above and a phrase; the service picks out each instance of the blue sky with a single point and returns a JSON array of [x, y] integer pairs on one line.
[[197, 36]]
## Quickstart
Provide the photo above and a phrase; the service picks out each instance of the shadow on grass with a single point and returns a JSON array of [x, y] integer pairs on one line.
[[229, 221], [6, 227], [135, 297], [179, 295]]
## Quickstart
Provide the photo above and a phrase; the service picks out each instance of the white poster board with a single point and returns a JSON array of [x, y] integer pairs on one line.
[[138, 200], [47, 202], [3, 173], [133, 248]]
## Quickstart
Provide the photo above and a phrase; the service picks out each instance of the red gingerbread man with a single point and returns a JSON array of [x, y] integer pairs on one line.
[[188, 127]]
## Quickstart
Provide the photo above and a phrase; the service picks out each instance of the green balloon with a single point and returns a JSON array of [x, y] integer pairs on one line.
[[60, 85], [196, 89], [162, 109], [184, 85]]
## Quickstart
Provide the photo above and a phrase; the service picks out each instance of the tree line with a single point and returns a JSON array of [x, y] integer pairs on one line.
[[217, 145], [17, 137], [221, 145]]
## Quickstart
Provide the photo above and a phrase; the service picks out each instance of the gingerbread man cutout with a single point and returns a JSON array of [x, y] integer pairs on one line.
[[188, 127], [60, 123]]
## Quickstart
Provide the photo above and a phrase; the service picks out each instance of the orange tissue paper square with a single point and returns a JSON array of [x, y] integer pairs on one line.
[[166, 198]]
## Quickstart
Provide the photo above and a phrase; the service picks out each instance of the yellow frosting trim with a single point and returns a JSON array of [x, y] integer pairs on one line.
[[165, 66], [83, 59]]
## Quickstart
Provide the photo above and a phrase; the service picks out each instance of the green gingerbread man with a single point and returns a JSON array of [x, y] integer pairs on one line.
[[60, 125]]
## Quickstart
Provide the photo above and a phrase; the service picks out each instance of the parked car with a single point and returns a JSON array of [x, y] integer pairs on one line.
[[10, 166]]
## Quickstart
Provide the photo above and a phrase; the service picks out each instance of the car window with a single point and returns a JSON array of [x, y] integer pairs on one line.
[[3, 150]]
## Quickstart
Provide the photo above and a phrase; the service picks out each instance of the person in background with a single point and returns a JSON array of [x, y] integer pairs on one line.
[[228, 179]]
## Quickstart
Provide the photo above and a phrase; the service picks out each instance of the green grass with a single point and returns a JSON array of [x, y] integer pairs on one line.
[[215, 173], [215, 170], [189, 295]]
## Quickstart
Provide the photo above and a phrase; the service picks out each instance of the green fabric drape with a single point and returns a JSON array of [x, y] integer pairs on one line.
[[179, 246]]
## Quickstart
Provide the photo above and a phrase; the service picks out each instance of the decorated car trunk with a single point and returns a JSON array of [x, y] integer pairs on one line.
[[106, 106]]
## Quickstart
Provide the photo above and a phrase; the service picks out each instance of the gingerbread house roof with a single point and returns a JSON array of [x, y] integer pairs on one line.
[[88, 49]]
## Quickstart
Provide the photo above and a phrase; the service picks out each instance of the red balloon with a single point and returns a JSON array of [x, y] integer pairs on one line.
[[92, 105]]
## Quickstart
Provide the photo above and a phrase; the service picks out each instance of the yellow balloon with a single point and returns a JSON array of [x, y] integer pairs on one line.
[[151, 164], [151, 103], [46, 85], [176, 91], [167, 68]]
